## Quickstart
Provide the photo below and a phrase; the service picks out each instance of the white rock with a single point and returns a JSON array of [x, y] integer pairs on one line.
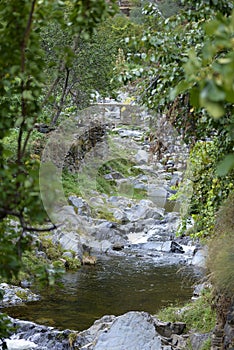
[[199, 259], [20, 344]]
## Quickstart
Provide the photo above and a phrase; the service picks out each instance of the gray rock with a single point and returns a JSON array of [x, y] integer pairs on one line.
[[80, 205], [158, 195], [96, 201], [166, 246], [142, 177], [14, 295], [105, 246], [176, 248], [45, 338], [120, 215], [108, 177], [139, 185], [130, 133], [166, 329], [199, 259], [131, 331], [87, 338], [197, 340], [107, 231], [69, 241], [141, 212], [142, 157], [67, 216], [175, 180], [120, 202]]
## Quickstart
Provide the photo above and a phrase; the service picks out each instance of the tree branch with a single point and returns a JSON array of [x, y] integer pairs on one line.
[[61, 102], [23, 59], [4, 212]]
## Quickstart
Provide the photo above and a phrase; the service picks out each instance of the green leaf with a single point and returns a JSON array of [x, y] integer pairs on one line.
[[232, 20], [225, 165], [180, 88], [27, 95], [212, 92], [194, 97], [215, 109], [212, 26]]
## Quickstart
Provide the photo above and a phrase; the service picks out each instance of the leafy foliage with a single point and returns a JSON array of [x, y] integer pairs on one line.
[[86, 67], [22, 85], [23, 63], [184, 68]]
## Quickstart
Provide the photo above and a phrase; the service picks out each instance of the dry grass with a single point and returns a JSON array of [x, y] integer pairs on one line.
[[221, 249]]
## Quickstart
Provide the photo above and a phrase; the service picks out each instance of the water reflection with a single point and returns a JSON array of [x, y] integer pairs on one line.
[[114, 286]]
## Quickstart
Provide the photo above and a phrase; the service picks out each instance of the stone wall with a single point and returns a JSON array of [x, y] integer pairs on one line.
[[82, 145]]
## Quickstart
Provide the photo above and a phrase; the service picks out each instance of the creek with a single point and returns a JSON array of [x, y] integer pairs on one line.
[[114, 286]]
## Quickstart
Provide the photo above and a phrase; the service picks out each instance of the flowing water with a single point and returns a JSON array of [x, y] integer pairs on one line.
[[114, 286]]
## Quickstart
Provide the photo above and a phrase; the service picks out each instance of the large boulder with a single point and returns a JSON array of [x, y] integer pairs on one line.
[[69, 240], [132, 331]]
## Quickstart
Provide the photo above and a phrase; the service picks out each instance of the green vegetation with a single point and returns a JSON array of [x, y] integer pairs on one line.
[[48, 265], [206, 344], [25, 86], [85, 184], [198, 315], [208, 189], [22, 294], [123, 168], [184, 68], [70, 184], [72, 338], [177, 56]]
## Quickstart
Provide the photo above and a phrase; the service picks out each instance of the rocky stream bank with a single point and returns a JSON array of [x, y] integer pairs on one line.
[[135, 219]]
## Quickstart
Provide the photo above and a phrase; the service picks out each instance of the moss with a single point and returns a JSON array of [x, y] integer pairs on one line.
[[105, 215], [139, 194], [206, 345], [22, 294], [58, 264], [70, 184], [72, 338], [52, 251], [72, 264]]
